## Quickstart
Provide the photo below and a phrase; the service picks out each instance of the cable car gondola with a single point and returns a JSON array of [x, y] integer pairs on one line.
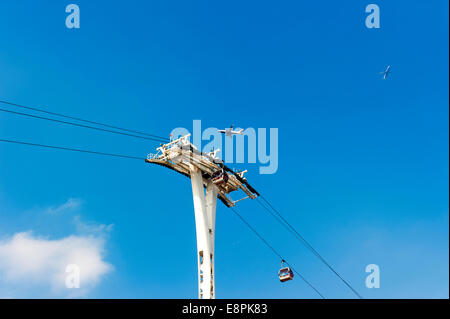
[[285, 273]]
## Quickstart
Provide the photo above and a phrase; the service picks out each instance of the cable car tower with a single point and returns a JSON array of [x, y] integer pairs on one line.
[[206, 171]]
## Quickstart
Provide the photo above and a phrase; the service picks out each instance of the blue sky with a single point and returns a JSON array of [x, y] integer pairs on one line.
[[363, 163]]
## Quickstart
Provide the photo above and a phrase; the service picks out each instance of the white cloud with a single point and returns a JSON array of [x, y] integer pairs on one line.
[[70, 204], [30, 262], [92, 228]]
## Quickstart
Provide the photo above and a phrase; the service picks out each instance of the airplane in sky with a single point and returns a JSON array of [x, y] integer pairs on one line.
[[229, 131], [386, 72]]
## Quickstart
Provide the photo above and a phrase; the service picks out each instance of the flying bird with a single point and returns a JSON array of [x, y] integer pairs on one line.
[[386, 72]]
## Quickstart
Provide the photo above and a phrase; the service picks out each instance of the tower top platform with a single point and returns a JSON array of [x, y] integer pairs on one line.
[[180, 155]]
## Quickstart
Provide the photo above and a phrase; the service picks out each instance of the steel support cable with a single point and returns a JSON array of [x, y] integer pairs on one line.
[[293, 231], [82, 125], [81, 120], [275, 251], [71, 149]]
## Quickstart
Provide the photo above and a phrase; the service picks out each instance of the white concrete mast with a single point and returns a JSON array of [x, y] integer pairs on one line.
[[205, 214], [209, 180]]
